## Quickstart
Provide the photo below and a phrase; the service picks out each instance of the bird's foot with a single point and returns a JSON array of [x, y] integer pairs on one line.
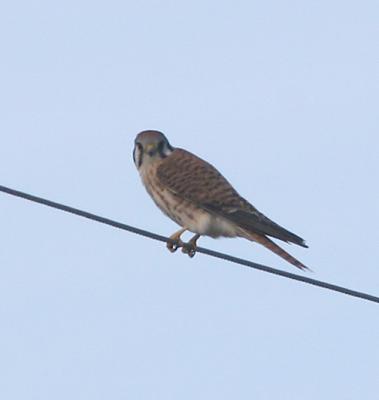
[[174, 244], [174, 241], [190, 247]]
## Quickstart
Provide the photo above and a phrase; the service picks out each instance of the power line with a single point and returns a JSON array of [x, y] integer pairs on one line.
[[203, 250]]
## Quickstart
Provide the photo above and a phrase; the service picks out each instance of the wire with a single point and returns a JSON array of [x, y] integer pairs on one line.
[[208, 252]]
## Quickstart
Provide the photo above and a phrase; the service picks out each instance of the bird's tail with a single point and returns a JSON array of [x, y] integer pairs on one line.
[[269, 244]]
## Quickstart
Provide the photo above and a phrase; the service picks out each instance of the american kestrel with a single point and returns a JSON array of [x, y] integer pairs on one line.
[[197, 197]]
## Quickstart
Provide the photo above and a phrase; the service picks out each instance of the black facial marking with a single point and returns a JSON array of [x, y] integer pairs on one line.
[[161, 149], [164, 148], [169, 147], [138, 157]]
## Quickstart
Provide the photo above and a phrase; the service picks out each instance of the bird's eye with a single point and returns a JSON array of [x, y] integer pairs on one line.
[[138, 154]]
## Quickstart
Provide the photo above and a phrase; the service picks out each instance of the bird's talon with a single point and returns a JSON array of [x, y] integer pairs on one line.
[[191, 253], [174, 241], [189, 249], [174, 245]]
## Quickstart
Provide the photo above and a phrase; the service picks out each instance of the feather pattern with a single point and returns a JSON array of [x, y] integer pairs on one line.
[[194, 179], [195, 195]]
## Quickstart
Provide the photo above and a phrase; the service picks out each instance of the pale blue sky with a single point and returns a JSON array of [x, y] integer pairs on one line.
[[283, 98]]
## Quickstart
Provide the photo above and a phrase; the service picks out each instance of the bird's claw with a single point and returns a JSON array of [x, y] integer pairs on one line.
[[174, 244], [189, 249]]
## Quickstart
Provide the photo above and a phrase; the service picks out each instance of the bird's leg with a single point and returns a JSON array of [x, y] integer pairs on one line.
[[175, 242], [190, 247]]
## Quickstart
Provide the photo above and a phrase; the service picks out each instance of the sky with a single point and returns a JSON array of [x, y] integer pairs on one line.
[[282, 97]]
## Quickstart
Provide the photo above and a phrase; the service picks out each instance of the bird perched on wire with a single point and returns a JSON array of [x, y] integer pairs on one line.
[[196, 196]]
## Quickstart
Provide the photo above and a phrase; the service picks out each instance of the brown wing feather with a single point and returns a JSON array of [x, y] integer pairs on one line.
[[259, 223], [199, 182]]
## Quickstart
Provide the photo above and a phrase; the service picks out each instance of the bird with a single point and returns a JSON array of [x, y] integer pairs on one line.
[[195, 195]]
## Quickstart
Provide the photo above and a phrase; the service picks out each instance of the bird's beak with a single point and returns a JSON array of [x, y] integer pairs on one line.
[[150, 149]]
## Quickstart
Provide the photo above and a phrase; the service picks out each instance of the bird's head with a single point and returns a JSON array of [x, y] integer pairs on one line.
[[150, 146]]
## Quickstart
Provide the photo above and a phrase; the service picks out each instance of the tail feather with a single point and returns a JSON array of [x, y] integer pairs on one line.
[[269, 244]]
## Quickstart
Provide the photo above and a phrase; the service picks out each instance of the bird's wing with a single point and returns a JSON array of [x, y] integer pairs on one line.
[[192, 178], [256, 222]]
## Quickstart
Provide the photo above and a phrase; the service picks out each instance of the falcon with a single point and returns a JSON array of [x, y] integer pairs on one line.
[[196, 196]]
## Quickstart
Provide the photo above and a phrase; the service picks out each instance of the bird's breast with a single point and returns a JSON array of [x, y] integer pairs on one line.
[[184, 212]]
